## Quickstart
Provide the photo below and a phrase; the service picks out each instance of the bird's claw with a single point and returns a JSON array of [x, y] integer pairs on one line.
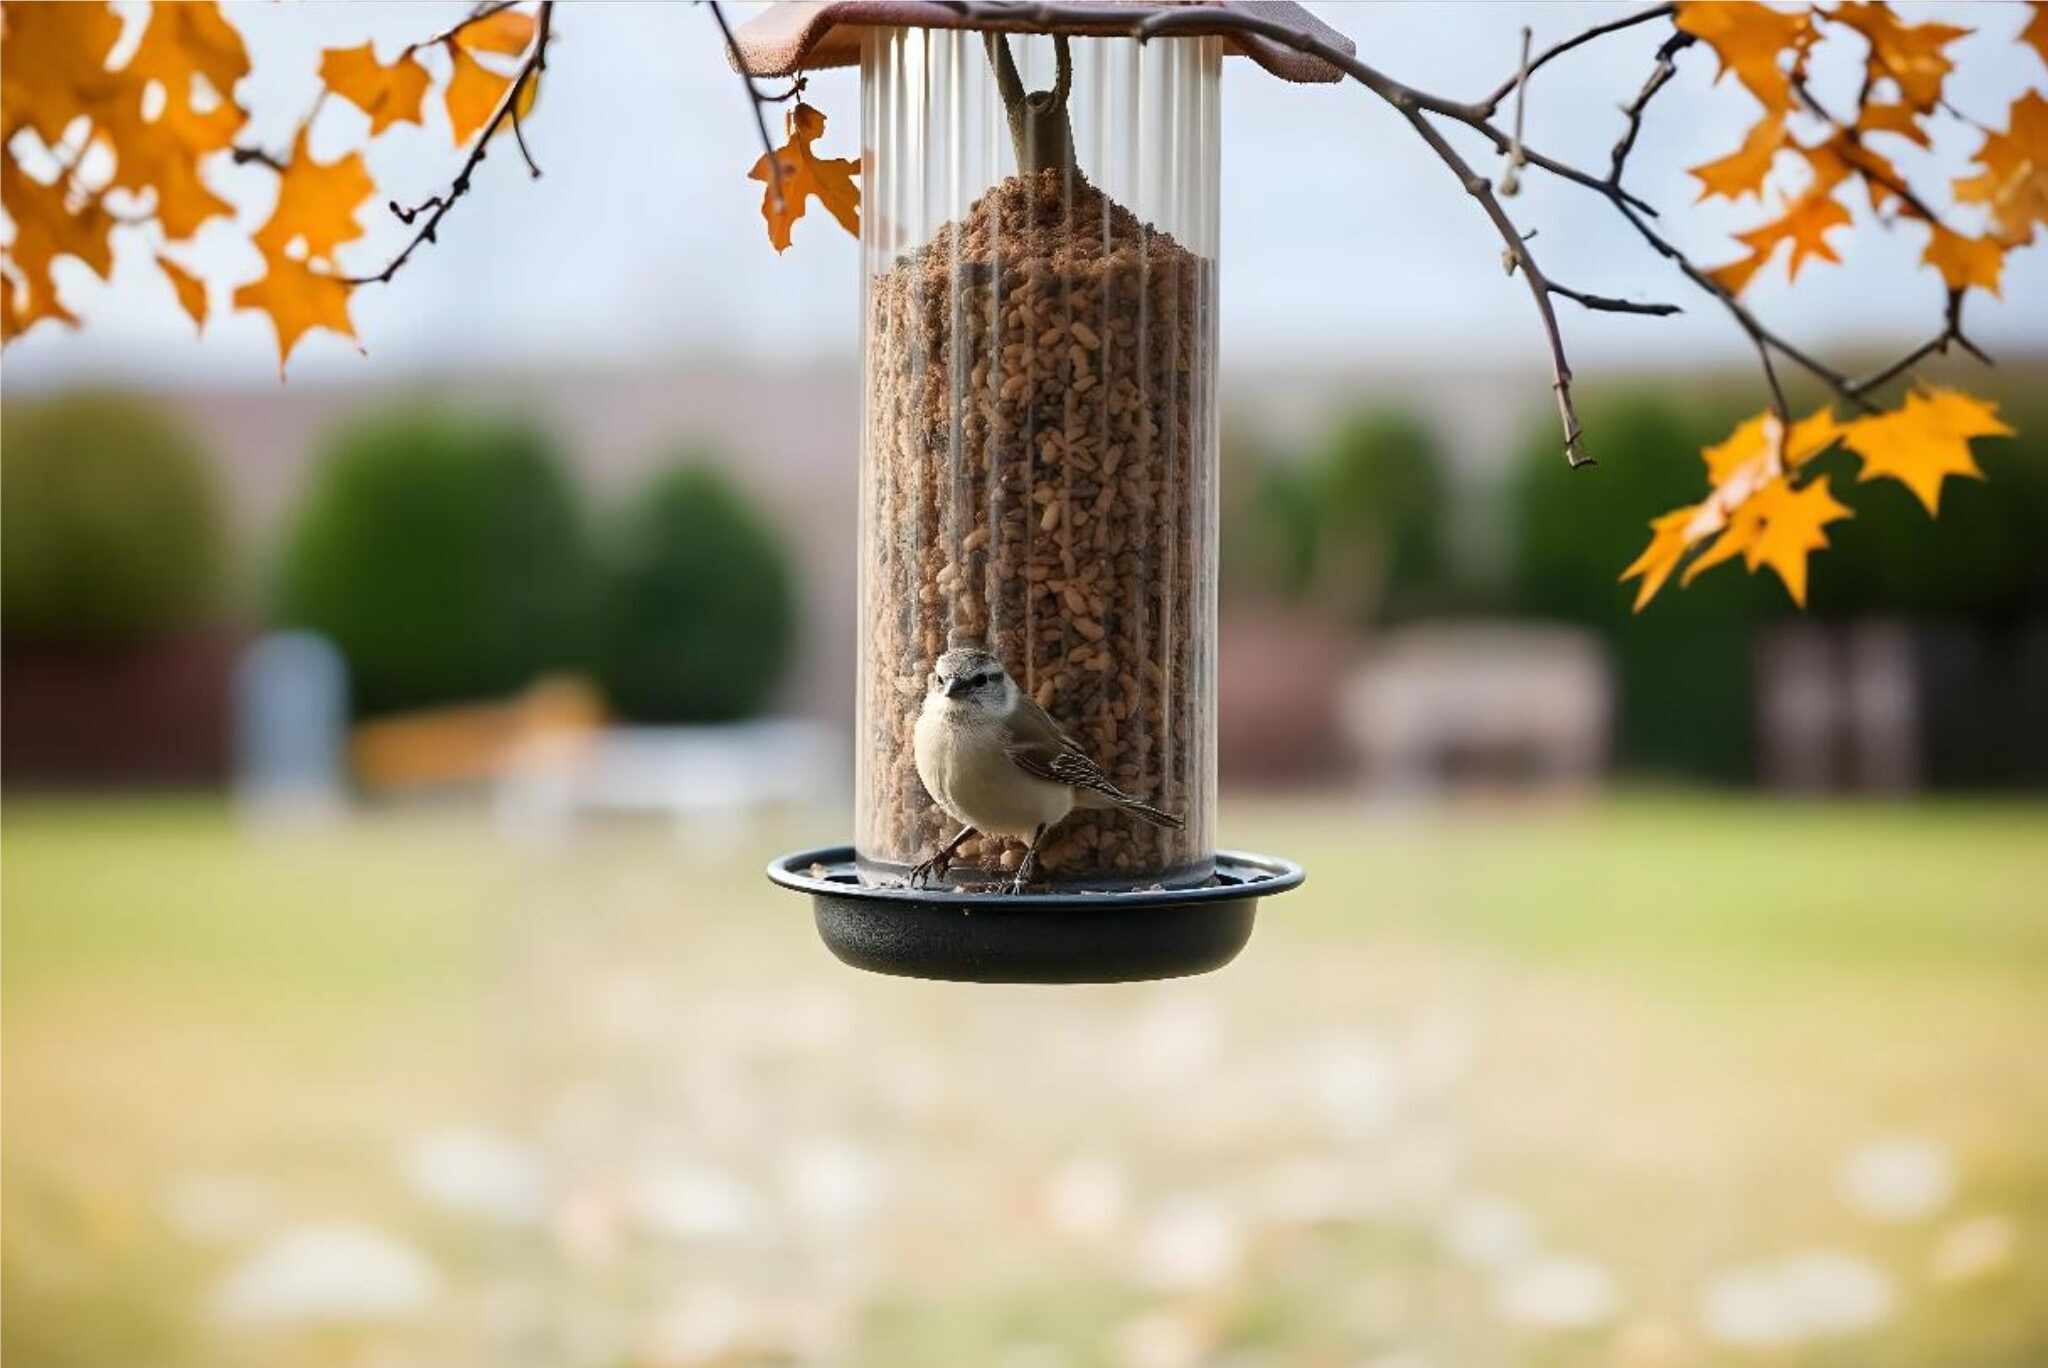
[[924, 871]]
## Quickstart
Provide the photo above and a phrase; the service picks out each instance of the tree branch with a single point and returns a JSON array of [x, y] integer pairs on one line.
[[436, 207], [759, 100], [1485, 108]]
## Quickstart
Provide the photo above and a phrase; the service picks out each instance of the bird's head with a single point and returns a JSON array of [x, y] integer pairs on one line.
[[972, 677]]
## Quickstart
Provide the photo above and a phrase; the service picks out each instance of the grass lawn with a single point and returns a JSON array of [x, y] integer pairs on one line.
[[1655, 1081]]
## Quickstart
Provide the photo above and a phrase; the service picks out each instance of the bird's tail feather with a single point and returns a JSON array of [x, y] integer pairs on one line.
[[1152, 814]]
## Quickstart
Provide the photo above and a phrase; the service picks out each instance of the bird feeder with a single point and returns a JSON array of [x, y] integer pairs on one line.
[[1039, 468]]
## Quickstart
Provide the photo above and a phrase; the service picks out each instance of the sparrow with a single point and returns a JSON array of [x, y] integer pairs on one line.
[[997, 763]]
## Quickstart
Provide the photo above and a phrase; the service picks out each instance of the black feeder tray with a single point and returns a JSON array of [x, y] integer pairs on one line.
[[1058, 937]]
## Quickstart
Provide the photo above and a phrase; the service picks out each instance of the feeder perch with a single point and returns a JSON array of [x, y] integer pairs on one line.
[[1039, 216]]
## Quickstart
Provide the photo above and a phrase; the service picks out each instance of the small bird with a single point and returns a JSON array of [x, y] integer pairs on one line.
[[998, 764]]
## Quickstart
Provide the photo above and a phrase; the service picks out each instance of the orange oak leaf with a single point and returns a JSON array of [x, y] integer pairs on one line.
[[1910, 55], [804, 175], [56, 67], [388, 94], [298, 299], [474, 92], [1805, 225], [2013, 184], [190, 289], [1903, 120], [507, 31], [1750, 38], [317, 203], [2035, 34], [1742, 172], [1925, 441], [1964, 261]]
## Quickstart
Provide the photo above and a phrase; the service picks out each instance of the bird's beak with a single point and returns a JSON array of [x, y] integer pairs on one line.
[[955, 687]]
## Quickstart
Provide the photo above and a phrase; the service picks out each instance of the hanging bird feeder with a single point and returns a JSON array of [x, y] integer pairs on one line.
[[1038, 490]]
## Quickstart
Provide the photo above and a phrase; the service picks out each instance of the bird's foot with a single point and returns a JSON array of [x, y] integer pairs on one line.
[[923, 872], [1020, 883]]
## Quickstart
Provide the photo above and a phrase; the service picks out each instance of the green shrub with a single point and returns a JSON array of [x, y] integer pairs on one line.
[[1380, 505], [111, 530], [1356, 527], [699, 602], [445, 558]]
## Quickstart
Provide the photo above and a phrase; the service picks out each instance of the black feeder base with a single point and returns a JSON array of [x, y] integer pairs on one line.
[[976, 937]]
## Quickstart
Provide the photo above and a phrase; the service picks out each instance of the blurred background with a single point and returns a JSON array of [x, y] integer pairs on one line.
[[391, 754]]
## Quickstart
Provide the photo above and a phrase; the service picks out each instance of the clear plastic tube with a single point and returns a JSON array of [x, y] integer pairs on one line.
[[1039, 451]]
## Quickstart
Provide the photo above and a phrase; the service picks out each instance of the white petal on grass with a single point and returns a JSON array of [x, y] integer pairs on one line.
[[1809, 1296], [1190, 1244], [1159, 1339], [1487, 1232], [1399, 1358], [1087, 1198], [478, 1174], [695, 1202], [833, 1183], [1898, 1180], [1973, 1251], [706, 1324], [328, 1273], [1558, 1293], [1353, 1081], [218, 1208]]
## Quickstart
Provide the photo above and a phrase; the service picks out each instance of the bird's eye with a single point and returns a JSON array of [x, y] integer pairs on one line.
[[936, 681]]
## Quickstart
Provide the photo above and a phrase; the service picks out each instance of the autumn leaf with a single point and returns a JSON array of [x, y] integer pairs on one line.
[[1879, 117], [1805, 225], [298, 299], [56, 67], [1925, 441], [190, 289], [1749, 473], [804, 175], [1742, 171], [317, 203], [1749, 38], [474, 92], [1964, 261], [388, 94], [507, 31], [1793, 520], [1668, 543], [1910, 55], [2035, 34], [2013, 184]]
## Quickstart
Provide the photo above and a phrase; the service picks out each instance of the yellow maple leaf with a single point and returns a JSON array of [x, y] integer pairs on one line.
[[1668, 542], [388, 94], [190, 289], [1964, 261], [298, 299], [1742, 172], [1924, 441], [1791, 531], [2013, 184], [317, 203], [56, 67], [804, 175], [1750, 39]]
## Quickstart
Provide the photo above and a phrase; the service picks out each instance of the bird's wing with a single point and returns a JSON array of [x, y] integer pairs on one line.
[[1038, 746]]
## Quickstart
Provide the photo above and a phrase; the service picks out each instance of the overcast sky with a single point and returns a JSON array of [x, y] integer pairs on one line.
[[1344, 239]]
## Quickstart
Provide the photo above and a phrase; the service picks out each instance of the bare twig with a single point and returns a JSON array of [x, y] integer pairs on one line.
[[476, 15], [1511, 174], [1660, 75], [1485, 108], [759, 100], [436, 207]]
